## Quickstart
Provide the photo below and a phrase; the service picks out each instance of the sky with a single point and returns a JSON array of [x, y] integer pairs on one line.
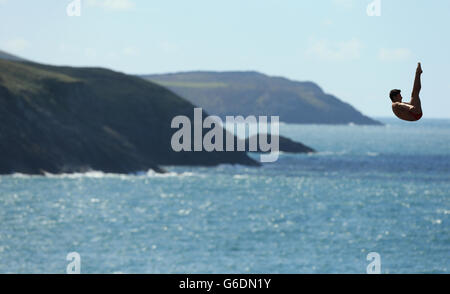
[[350, 52]]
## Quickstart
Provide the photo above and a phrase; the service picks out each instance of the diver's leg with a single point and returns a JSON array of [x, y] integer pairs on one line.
[[415, 100]]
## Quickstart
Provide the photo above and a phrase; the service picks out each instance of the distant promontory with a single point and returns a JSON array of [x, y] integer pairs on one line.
[[253, 93]]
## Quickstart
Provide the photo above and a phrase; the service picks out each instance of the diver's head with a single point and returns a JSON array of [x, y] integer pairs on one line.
[[395, 95]]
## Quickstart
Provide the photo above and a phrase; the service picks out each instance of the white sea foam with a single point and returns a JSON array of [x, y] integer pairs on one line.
[[328, 153], [89, 174], [239, 176], [100, 175], [153, 174], [443, 211], [20, 176]]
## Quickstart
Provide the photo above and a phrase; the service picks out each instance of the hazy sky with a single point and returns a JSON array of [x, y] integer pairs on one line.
[[334, 43]]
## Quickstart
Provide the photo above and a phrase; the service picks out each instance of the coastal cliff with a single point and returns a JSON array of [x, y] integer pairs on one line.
[[65, 119]]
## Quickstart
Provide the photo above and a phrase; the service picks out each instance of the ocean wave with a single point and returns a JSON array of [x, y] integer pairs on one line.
[[328, 153], [20, 175], [240, 176], [101, 175], [88, 174], [344, 152], [153, 174]]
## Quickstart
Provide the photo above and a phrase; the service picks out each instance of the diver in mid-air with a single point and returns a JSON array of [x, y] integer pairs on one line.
[[411, 111]]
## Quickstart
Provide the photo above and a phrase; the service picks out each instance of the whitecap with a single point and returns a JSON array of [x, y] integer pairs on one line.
[[89, 174], [21, 176], [328, 153], [436, 221], [152, 174]]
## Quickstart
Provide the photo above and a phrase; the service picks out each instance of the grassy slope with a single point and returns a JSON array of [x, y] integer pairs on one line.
[[252, 93], [63, 119]]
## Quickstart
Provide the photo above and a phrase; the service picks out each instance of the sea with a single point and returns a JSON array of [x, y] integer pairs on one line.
[[368, 189]]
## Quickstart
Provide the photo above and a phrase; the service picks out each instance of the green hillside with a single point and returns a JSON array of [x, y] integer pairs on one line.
[[64, 119], [253, 93]]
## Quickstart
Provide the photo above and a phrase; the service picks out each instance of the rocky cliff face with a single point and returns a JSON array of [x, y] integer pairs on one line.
[[63, 119], [285, 144]]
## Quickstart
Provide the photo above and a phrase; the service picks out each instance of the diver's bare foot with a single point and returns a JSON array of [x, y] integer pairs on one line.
[[419, 68]]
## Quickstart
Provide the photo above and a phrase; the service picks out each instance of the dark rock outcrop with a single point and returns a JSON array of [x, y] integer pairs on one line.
[[285, 145]]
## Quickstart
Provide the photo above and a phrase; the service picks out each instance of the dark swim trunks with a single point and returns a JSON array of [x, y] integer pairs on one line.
[[417, 116]]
